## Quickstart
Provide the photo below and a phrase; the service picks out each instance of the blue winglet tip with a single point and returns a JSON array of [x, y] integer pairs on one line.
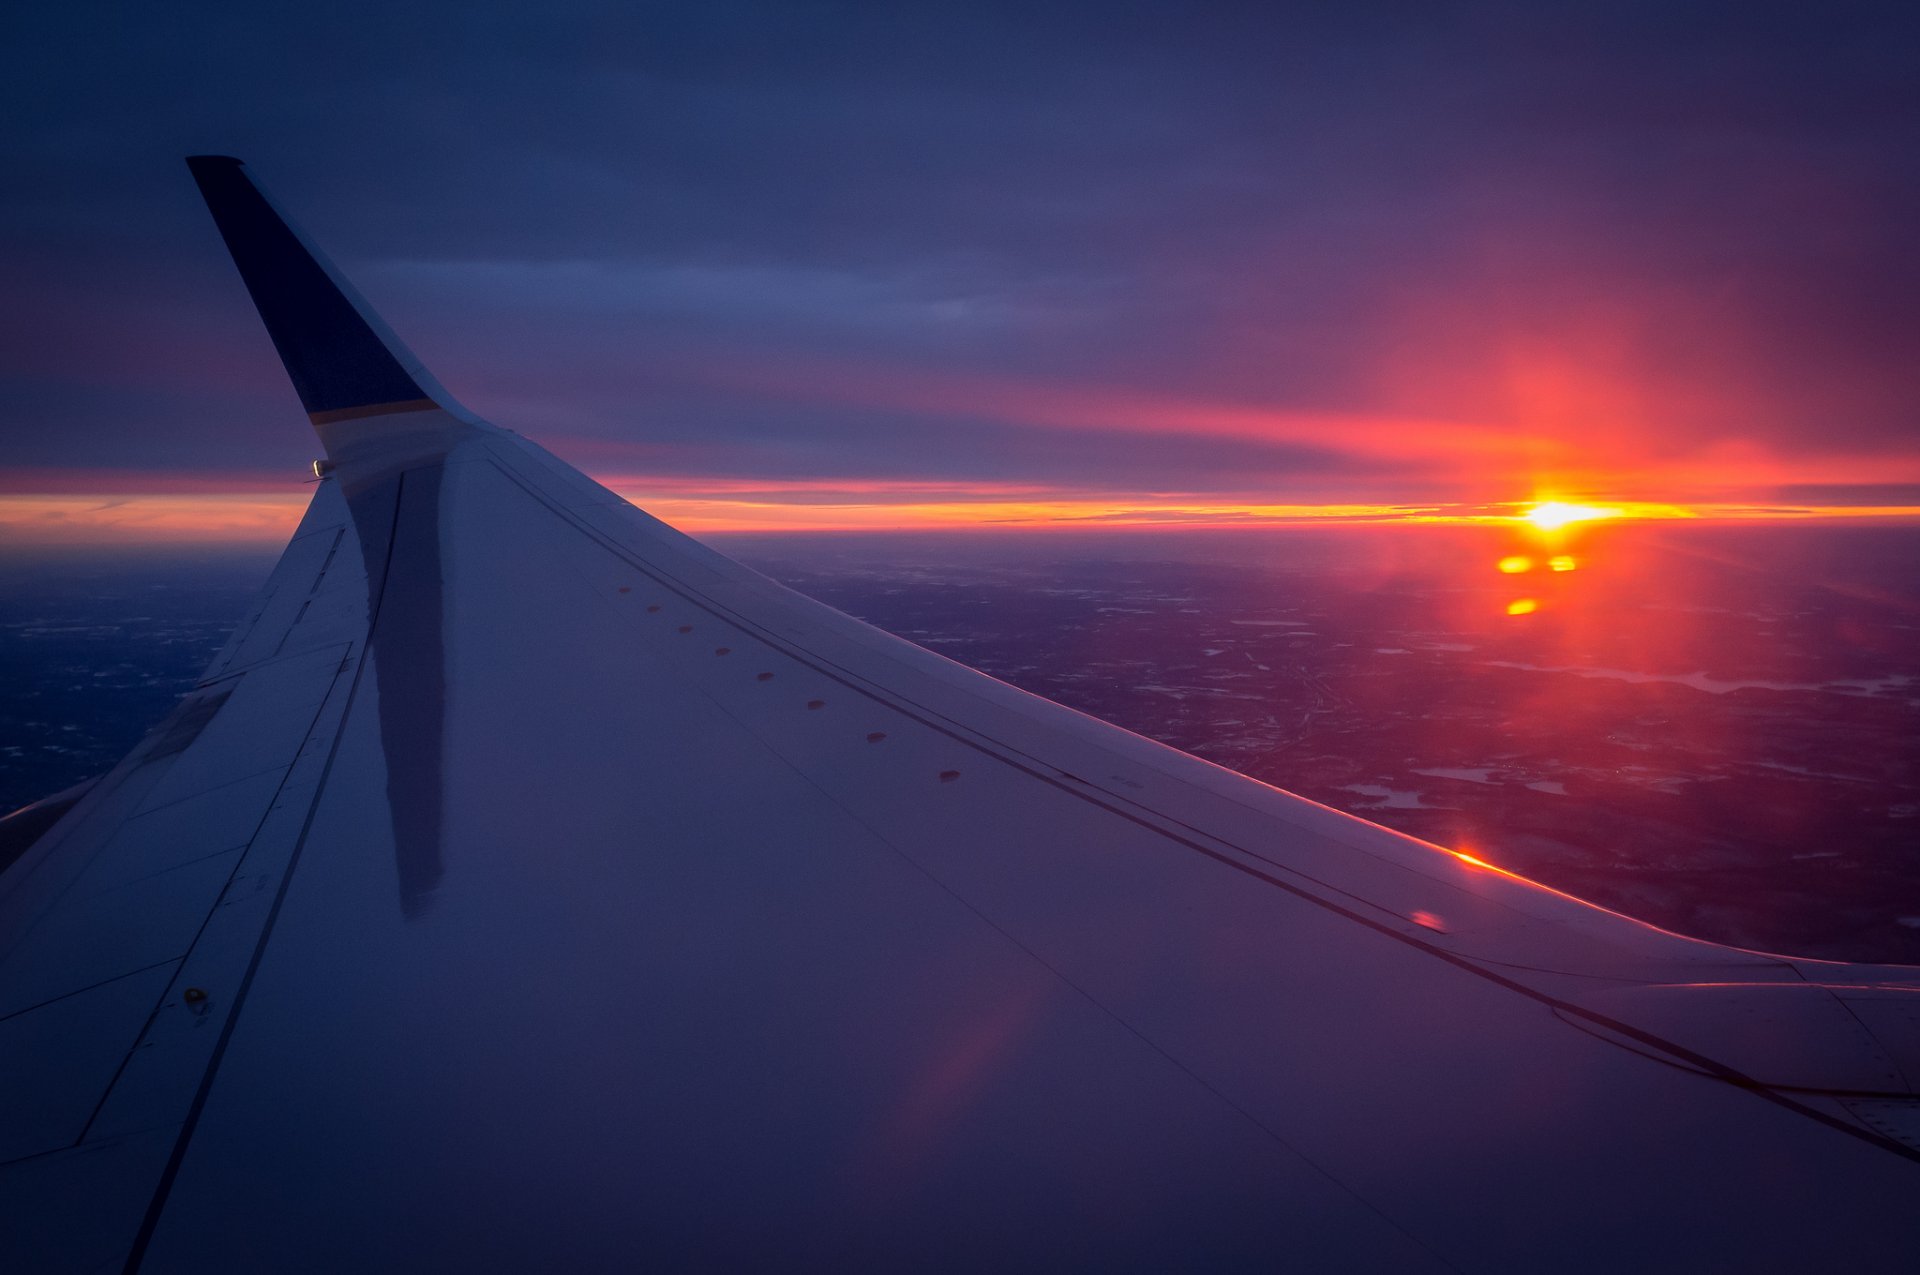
[[341, 366]]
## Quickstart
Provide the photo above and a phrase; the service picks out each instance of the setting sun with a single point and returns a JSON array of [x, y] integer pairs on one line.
[[1551, 515]]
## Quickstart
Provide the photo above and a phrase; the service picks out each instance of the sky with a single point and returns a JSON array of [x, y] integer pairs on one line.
[[788, 265]]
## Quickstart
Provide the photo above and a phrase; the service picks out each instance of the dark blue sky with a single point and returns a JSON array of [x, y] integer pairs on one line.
[[1341, 252]]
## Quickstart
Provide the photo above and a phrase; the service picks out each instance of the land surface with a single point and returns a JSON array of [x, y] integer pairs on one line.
[[1713, 731]]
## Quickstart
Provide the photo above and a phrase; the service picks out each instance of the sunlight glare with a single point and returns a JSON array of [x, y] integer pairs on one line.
[[1562, 562], [1551, 515], [1522, 606], [1514, 564]]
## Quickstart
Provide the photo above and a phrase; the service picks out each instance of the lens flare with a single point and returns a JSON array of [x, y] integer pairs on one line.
[[1515, 564], [1523, 606], [1562, 562]]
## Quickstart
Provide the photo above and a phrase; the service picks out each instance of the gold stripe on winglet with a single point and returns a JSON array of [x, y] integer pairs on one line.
[[372, 409]]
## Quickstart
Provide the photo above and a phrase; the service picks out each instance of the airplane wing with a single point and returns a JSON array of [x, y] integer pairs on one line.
[[529, 886]]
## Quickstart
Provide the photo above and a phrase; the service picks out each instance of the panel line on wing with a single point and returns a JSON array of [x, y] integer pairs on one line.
[[1060, 975], [79, 991], [163, 1188], [239, 866]]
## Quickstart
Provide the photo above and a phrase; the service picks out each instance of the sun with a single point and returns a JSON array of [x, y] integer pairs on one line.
[[1551, 515]]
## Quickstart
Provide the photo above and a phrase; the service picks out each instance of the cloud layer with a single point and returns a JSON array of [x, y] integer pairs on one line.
[[1357, 253]]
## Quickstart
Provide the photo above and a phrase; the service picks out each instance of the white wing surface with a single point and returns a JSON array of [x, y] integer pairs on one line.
[[529, 886]]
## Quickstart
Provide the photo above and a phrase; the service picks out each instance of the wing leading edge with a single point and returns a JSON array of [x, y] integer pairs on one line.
[[559, 892]]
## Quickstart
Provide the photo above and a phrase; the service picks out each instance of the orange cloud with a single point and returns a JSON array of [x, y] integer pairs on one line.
[[124, 507], [849, 507], [1098, 407], [151, 517], [1574, 416]]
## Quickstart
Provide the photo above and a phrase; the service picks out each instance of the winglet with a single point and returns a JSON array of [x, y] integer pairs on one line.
[[344, 362]]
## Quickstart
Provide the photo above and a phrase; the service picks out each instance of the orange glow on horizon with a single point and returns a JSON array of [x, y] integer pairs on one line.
[[1552, 515], [1464, 857], [110, 507], [229, 517], [697, 515]]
